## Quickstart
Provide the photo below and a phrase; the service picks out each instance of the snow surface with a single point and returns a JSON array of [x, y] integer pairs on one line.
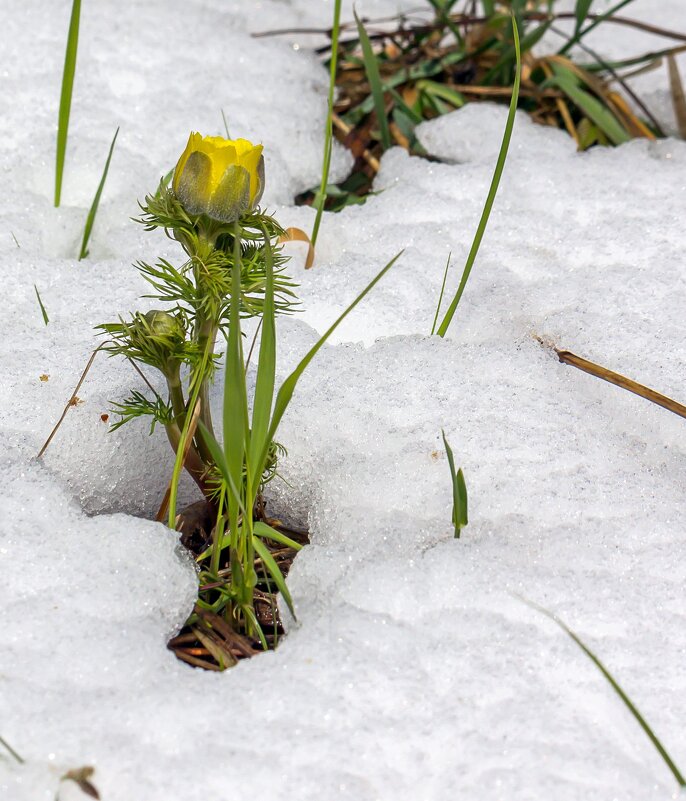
[[412, 672]]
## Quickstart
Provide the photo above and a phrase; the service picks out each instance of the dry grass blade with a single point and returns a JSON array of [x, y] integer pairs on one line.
[[678, 97], [346, 130], [239, 645], [631, 122], [194, 660], [216, 648], [567, 357], [72, 400], [298, 235]]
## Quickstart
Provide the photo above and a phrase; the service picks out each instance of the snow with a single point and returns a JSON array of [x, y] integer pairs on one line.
[[412, 672]]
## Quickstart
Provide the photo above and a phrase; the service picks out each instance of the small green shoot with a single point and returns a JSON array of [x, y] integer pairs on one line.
[[11, 750], [16, 241], [372, 69], [500, 164], [681, 781], [460, 517], [90, 220], [320, 200], [46, 319], [65, 96]]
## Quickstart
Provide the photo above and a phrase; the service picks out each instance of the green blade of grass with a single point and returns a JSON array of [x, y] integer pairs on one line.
[[440, 297], [260, 529], [268, 533], [436, 89], [285, 393], [222, 465], [580, 33], [497, 173], [65, 96], [442, 8], [589, 104], [46, 319], [581, 12], [372, 69], [90, 220], [460, 517], [249, 613], [274, 571], [328, 135], [681, 781]]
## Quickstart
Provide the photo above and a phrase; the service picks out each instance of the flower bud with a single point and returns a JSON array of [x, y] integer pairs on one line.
[[164, 325], [222, 178]]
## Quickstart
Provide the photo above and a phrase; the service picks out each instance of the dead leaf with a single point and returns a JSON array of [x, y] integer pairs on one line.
[[82, 776]]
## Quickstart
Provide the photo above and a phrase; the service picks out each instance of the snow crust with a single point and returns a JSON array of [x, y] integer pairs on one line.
[[412, 672]]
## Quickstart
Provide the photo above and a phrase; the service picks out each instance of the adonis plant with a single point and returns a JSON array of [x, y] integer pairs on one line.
[[233, 269]]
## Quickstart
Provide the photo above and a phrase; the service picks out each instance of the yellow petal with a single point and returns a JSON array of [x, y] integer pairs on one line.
[[193, 140], [250, 160], [222, 154]]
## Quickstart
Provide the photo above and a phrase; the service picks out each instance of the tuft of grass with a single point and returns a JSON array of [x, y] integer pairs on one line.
[[493, 190], [90, 220], [46, 319], [460, 517], [65, 96], [662, 751], [243, 458], [320, 199], [423, 68]]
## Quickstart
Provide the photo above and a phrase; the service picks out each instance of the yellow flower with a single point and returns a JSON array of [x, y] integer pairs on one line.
[[223, 178]]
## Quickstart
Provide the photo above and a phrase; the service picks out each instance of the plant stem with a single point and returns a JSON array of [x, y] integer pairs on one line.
[[207, 335], [328, 136], [176, 395], [193, 463]]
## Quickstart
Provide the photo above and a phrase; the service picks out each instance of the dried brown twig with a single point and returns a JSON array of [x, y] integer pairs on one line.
[[567, 357]]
